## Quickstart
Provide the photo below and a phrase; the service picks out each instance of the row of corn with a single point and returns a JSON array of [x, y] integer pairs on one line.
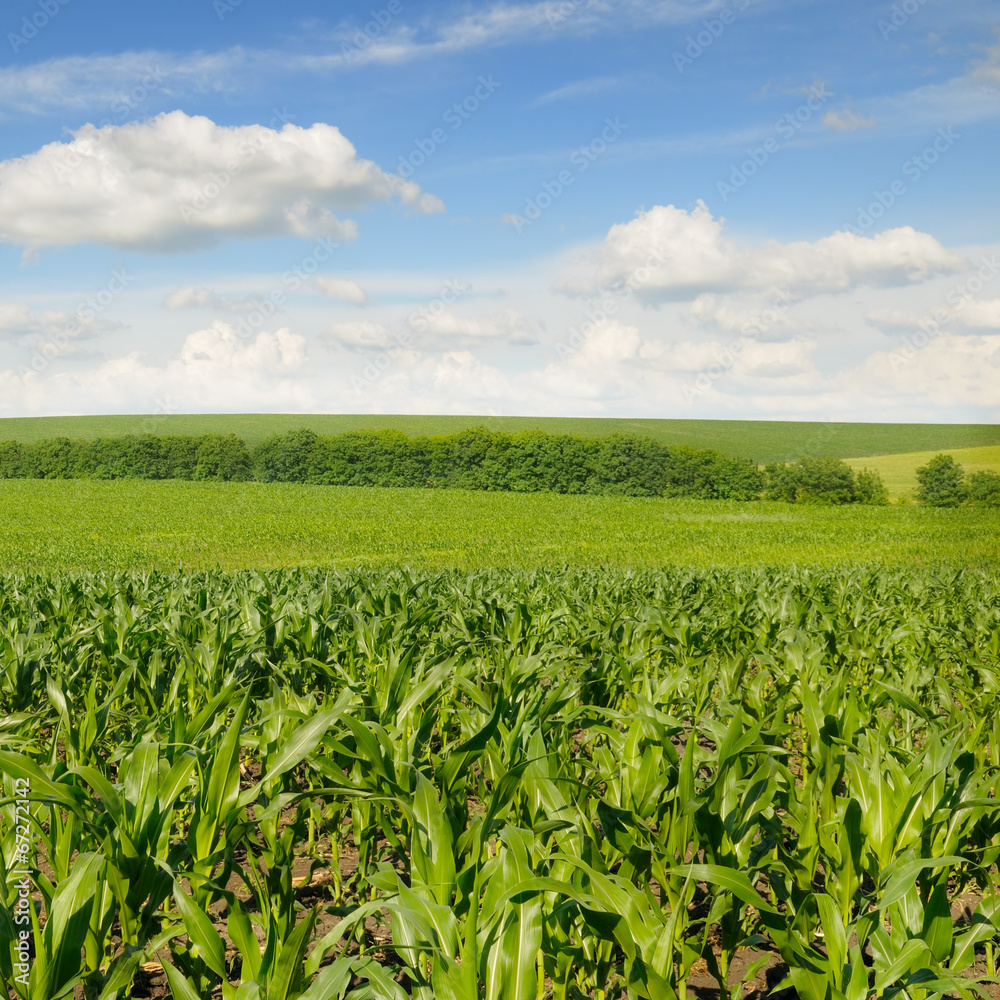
[[499, 784]]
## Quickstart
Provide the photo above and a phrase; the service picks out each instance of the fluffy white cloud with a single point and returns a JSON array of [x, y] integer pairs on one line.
[[949, 371], [17, 319], [178, 182], [359, 334], [508, 325], [980, 314], [669, 254], [21, 321], [342, 289], [219, 346], [200, 297], [972, 314], [212, 364], [893, 319], [764, 320]]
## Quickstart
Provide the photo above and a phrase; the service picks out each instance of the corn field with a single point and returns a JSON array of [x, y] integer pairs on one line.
[[502, 785]]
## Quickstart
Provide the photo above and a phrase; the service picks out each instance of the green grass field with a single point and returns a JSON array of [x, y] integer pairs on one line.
[[85, 524], [761, 440], [899, 472]]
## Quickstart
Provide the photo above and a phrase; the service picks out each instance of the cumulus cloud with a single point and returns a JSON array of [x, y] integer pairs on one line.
[[668, 254], [358, 334], [341, 289], [893, 319], [763, 320], [949, 371], [212, 364], [508, 325], [980, 314], [847, 121], [220, 347], [21, 321], [972, 314], [17, 319], [200, 297], [179, 182]]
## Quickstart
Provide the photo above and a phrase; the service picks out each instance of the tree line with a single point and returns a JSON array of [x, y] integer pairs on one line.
[[476, 459]]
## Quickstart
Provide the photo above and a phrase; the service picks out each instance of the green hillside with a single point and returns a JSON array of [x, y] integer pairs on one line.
[[761, 440], [899, 472]]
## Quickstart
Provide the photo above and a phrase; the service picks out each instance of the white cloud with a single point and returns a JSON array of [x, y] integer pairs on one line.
[[506, 23], [894, 319], [200, 297], [950, 371], [988, 70], [508, 325], [972, 314], [848, 121], [212, 364], [118, 84], [359, 334], [715, 312], [980, 314], [580, 88], [220, 347], [17, 319], [669, 254], [342, 289], [178, 183]]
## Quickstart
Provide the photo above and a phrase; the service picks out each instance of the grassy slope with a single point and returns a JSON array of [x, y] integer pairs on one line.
[[900, 471], [87, 524], [761, 440]]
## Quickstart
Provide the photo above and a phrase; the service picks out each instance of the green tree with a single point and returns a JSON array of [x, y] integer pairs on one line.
[[941, 482], [869, 488], [811, 480], [984, 488]]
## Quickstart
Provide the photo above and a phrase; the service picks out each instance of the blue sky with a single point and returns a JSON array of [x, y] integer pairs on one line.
[[689, 208]]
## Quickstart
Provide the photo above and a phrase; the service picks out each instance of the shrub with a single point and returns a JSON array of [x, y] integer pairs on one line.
[[811, 480], [984, 488], [941, 482], [222, 456], [869, 488], [285, 458]]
